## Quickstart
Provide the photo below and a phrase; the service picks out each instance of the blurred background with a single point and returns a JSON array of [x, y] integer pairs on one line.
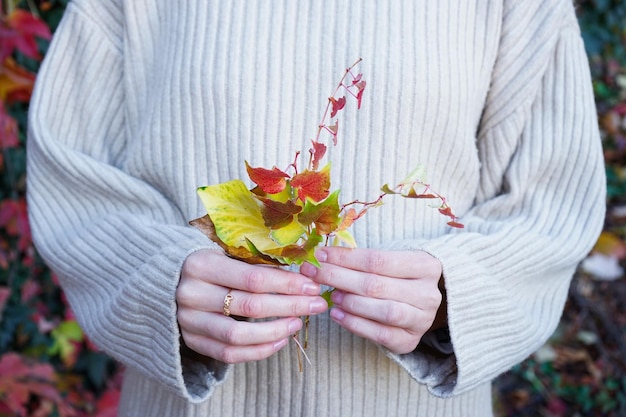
[[49, 368]]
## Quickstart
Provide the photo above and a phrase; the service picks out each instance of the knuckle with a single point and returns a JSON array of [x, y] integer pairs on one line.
[[228, 355], [183, 295], [232, 335], [252, 307], [384, 336], [394, 314], [373, 287], [375, 262], [254, 280]]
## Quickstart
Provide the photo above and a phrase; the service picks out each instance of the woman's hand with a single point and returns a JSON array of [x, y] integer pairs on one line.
[[257, 292], [388, 297]]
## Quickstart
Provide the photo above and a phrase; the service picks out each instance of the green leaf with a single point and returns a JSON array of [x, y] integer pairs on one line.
[[345, 237], [325, 214], [326, 296]]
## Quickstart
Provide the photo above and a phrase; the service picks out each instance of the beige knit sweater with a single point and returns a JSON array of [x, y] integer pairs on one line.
[[140, 102]]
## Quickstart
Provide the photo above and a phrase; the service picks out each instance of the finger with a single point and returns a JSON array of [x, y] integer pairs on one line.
[[369, 284], [236, 333], [230, 353], [390, 313], [211, 298], [219, 269], [399, 264], [395, 339]]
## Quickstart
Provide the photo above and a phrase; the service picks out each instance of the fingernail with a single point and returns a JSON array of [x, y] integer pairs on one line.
[[308, 270], [337, 314], [311, 288], [321, 255], [318, 306], [337, 296], [294, 326]]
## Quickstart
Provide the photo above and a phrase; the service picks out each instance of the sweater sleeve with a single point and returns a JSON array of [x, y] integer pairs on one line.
[[116, 243], [541, 209]]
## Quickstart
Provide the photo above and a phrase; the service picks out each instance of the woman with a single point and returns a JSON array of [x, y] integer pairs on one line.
[[138, 103]]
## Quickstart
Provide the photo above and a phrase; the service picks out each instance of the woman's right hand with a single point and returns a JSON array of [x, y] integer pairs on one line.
[[258, 292]]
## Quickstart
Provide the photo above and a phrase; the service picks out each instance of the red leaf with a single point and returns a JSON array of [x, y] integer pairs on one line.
[[317, 152], [107, 404], [359, 96], [337, 104], [270, 181], [333, 131], [456, 224], [312, 184], [277, 214]]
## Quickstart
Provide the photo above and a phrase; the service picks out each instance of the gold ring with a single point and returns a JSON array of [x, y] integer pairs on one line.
[[227, 300]]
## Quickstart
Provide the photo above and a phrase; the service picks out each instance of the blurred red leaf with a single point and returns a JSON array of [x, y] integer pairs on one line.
[[19, 31], [19, 379], [107, 404]]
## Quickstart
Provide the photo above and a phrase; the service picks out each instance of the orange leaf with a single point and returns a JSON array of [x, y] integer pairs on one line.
[[348, 218], [270, 181], [16, 84], [312, 184]]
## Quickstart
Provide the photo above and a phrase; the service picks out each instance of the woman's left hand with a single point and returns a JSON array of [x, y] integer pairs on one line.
[[388, 297]]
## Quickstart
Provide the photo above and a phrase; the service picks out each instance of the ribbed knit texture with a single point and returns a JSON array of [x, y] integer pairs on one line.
[[138, 103]]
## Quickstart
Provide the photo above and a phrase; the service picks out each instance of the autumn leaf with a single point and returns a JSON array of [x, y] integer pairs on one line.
[[271, 181], [236, 215], [333, 129], [348, 218], [317, 153], [16, 83], [243, 253], [336, 105], [325, 215], [345, 238], [20, 379], [20, 31], [298, 254], [359, 95], [312, 184], [277, 214]]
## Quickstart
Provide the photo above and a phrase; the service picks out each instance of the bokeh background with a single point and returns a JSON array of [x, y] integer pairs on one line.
[[48, 367]]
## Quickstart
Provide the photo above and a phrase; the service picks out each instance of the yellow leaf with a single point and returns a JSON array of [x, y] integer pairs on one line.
[[236, 215], [289, 234]]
